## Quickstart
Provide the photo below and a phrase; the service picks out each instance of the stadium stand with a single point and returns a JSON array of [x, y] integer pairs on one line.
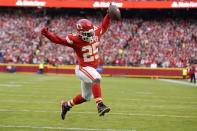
[[139, 40]]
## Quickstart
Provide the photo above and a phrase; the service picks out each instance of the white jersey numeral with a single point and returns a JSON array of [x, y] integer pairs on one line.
[[92, 53], [87, 57], [95, 50]]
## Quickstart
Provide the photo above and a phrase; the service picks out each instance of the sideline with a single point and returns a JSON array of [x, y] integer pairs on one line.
[[61, 128], [178, 82]]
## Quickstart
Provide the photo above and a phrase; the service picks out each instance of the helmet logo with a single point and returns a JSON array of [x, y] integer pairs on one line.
[[79, 27]]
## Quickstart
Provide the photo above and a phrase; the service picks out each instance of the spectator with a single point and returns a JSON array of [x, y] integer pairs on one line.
[[165, 41], [192, 74], [184, 73], [11, 69]]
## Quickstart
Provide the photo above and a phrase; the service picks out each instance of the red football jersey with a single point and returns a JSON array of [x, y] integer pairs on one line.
[[87, 53]]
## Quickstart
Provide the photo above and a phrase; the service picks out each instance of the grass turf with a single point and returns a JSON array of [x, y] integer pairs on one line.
[[32, 102]]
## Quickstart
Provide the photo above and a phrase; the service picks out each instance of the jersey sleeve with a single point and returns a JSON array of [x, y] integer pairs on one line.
[[58, 40], [105, 24]]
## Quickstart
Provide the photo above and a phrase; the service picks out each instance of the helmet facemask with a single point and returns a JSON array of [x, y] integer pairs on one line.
[[87, 35], [85, 30]]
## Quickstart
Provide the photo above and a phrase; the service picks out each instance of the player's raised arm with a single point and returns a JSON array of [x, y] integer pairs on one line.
[[113, 13], [105, 23], [54, 38]]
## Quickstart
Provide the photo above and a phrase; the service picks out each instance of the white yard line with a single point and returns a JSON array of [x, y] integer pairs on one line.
[[21, 101], [61, 128], [9, 85], [177, 97], [120, 113], [28, 81], [30, 96], [19, 82], [179, 82], [161, 101], [48, 102]]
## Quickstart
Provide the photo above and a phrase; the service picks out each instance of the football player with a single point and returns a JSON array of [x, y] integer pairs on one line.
[[85, 44]]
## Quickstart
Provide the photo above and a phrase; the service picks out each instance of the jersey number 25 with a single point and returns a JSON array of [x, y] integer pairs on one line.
[[91, 52]]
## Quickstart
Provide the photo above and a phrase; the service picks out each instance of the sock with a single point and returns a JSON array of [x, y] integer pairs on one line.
[[96, 90], [75, 101]]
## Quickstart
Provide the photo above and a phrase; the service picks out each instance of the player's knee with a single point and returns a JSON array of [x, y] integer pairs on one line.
[[96, 81]]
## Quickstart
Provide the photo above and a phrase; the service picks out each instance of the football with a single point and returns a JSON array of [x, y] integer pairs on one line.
[[114, 12]]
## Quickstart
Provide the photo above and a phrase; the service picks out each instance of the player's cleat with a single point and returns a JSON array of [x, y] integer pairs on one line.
[[102, 109], [65, 108]]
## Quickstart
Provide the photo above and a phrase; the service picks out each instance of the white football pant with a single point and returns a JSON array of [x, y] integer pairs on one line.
[[87, 75]]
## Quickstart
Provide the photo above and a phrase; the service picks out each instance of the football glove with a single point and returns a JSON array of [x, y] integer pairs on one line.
[[44, 31]]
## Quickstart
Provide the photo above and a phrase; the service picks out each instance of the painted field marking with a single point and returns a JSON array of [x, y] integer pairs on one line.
[[175, 97], [62, 128], [21, 101], [144, 93], [179, 82], [142, 100], [31, 96], [18, 82], [28, 81], [121, 113], [9, 85], [162, 101], [48, 102]]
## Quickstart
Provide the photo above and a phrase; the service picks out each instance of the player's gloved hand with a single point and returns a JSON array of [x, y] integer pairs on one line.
[[44, 31]]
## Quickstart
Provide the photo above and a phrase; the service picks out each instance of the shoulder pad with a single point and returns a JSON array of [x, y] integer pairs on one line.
[[69, 39]]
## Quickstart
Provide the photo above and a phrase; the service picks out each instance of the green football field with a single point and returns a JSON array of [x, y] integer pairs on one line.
[[30, 102]]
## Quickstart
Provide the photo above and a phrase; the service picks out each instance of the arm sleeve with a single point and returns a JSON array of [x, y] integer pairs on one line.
[[105, 24], [58, 40]]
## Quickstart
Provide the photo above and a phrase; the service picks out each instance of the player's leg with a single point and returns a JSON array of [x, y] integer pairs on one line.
[[86, 89], [102, 109], [191, 77], [96, 90], [80, 98], [66, 105]]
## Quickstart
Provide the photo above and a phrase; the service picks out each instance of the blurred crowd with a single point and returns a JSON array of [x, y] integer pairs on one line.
[[164, 42]]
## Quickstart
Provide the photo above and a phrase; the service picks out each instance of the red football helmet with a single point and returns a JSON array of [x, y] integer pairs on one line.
[[85, 29]]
